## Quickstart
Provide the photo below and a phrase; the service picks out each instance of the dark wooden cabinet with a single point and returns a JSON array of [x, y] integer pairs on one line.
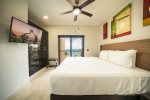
[[34, 62], [44, 49], [38, 53]]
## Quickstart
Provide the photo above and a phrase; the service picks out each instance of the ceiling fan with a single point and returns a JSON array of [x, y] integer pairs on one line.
[[78, 9]]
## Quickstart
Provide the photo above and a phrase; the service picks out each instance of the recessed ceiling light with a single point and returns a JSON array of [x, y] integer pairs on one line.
[[45, 17]]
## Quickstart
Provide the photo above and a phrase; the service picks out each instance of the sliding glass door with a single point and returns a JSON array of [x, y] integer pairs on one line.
[[70, 46], [64, 48], [77, 47]]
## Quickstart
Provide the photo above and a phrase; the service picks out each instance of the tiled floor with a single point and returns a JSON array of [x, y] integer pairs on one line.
[[37, 89]]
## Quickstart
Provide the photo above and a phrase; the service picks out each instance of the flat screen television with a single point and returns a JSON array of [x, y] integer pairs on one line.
[[22, 32]]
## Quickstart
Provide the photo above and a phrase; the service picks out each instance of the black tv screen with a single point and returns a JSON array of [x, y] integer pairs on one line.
[[22, 32]]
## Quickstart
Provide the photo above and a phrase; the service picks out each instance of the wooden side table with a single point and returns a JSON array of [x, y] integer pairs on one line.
[[145, 96], [53, 62]]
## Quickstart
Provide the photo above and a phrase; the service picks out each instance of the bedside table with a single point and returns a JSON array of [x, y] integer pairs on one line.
[[145, 96], [53, 62]]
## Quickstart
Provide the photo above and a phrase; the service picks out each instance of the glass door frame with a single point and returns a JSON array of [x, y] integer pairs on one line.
[[70, 36]]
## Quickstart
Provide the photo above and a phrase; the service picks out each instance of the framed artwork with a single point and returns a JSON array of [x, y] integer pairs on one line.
[[105, 31], [121, 23], [146, 12], [22, 32]]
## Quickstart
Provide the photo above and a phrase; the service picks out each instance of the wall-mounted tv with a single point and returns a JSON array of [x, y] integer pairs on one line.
[[22, 32]]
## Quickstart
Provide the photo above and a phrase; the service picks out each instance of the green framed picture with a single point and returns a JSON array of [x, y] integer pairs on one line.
[[121, 23]]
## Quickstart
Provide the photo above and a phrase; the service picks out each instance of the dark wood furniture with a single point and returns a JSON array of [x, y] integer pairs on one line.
[[94, 97], [143, 61], [38, 55], [145, 96], [53, 62], [44, 55], [34, 62]]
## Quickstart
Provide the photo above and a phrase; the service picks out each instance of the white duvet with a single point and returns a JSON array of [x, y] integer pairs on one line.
[[93, 76]]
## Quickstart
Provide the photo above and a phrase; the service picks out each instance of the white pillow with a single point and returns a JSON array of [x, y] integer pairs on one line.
[[122, 58], [133, 55], [104, 54]]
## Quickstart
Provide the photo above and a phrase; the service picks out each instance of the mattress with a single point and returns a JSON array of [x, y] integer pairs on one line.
[[94, 76]]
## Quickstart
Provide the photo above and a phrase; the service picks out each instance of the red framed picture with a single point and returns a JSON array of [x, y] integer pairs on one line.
[[105, 30], [146, 12]]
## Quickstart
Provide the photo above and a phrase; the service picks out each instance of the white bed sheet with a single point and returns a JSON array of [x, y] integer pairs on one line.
[[94, 76]]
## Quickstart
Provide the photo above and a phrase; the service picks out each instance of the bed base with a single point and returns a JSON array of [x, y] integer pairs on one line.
[[94, 97]]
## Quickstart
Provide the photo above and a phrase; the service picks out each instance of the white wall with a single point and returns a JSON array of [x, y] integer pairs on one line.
[[13, 56], [91, 38], [139, 31]]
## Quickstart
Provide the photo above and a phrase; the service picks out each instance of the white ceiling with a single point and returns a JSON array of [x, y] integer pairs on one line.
[[101, 10]]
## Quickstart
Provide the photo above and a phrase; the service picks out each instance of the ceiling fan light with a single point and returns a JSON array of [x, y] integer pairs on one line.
[[76, 11], [45, 17]]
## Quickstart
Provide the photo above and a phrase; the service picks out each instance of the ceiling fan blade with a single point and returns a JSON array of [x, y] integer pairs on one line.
[[67, 12], [86, 3], [86, 13], [70, 2], [75, 18]]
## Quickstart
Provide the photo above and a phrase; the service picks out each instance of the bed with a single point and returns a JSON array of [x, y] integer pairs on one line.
[[92, 78]]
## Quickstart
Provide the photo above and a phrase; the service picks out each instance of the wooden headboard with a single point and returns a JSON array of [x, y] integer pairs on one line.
[[142, 47]]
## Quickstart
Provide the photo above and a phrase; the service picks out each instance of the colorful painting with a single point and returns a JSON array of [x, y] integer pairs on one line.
[[24, 33], [146, 12], [105, 31], [121, 23]]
